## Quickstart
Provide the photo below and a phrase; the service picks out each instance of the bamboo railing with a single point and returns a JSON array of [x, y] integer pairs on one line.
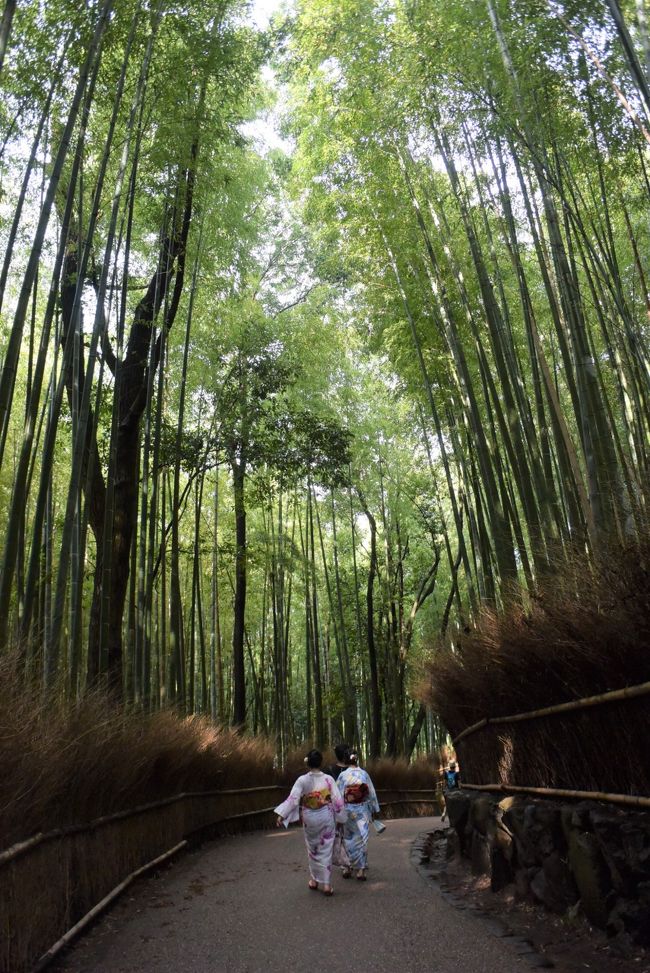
[[83, 923], [615, 696], [55, 883], [625, 800], [29, 844]]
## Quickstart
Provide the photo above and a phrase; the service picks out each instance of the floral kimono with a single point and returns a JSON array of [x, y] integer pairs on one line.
[[360, 802], [317, 800]]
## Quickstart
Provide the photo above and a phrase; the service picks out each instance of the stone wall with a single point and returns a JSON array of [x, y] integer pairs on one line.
[[565, 855]]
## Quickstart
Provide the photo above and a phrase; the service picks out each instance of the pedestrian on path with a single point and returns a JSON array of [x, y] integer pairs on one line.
[[316, 798], [361, 804], [452, 777], [341, 750], [450, 782]]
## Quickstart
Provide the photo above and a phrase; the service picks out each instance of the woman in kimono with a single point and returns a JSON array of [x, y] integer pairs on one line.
[[361, 803], [316, 798]]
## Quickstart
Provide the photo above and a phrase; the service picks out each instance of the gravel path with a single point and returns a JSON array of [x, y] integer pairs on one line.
[[241, 905]]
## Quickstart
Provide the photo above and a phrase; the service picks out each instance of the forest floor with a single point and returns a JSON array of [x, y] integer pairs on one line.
[[241, 905], [565, 944]]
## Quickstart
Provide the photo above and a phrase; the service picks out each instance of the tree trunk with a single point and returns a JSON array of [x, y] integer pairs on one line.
[[375, 695], [87, 77], [5, 28], [319, 724], [239, 608]]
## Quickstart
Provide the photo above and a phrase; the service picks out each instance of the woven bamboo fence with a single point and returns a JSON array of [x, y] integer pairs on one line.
[[595, 746], [52, 882]]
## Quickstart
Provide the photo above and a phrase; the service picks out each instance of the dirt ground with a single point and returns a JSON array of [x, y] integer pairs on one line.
[[568, 944]]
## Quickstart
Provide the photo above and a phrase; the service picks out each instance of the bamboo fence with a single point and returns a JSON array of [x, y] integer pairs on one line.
[[615, 696], [624, 800], [592, 747], [55, 883]]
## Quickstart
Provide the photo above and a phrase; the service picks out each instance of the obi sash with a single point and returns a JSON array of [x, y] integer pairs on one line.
[[356, 793], [315, 800]]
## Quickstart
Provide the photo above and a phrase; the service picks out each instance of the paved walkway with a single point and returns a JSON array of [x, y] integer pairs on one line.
[[241, 905]]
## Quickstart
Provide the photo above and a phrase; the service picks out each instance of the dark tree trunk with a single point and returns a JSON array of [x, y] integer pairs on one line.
[[5, 28], [414, 732], [131, 386], [375, 696], [319, 717], [239, 672]]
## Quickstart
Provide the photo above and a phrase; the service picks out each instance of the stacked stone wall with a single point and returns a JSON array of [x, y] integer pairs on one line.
[[582, 856]]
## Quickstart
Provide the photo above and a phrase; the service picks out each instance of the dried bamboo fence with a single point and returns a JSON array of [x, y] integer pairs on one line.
[[54, 883], [595, 746]]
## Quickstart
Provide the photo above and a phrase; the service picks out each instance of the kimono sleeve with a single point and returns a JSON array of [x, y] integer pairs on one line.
[[372, 795], [289, 810]]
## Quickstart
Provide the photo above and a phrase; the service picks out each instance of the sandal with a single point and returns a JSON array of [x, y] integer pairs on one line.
[[328, 890], [346, 873], [313, 885], [361, 876]]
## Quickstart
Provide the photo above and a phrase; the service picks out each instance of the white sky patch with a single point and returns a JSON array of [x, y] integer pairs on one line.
[[263, 10], [264, 131]]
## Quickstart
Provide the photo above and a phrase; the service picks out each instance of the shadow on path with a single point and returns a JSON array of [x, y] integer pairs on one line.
[[241, 905]]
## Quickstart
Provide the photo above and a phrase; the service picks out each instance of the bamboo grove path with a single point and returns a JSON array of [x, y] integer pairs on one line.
[[241, 905]]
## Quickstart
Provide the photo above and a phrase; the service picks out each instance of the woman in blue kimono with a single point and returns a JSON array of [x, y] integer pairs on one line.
[[361, 803]]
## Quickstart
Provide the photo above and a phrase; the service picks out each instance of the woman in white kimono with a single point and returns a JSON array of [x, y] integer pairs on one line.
[[360, 803], [316, 798]]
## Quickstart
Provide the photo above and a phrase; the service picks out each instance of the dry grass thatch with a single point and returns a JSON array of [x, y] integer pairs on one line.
[[63, 765], [586, 632], [387, 773], [48, 889]]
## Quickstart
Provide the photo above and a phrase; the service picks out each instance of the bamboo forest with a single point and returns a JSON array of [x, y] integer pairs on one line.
[[324, 335], [324, 456]]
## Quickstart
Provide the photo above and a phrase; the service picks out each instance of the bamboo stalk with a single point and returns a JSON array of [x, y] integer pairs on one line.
[[616, 695], [627, 800], [67, 938], [600, 67]]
